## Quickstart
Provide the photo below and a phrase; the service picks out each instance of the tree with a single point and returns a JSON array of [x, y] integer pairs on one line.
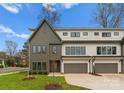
[[11, 47], [25, 49], [50, 14], [109, 15]]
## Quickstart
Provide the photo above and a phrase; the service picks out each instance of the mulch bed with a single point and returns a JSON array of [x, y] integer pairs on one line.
[[28, 78], [53, 87]]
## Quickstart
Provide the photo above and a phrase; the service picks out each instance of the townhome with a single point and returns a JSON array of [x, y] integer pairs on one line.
[[76, 50]]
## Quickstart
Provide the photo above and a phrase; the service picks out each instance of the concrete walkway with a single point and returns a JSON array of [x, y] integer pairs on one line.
[[55, 74], [104, 82], [12, 69], [9, 73]]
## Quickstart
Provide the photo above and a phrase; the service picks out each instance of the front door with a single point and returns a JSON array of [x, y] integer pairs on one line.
[[55, 66]]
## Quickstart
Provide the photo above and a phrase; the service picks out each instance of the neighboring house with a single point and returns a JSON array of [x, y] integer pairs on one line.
[[69, 50], [24, 60], [3, 57]]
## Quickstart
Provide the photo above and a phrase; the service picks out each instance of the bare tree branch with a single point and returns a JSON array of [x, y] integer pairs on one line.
[[11, 47]]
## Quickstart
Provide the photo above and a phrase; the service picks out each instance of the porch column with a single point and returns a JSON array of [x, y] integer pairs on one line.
[[119, 67], [62, 66]]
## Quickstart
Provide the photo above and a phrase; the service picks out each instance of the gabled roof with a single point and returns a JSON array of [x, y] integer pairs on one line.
[[37, 29]]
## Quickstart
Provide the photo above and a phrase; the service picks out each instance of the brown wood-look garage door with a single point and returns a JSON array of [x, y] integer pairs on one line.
[[75, 68], [106, 67]]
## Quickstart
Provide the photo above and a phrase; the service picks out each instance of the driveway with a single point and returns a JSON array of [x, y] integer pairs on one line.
[[104, 82]]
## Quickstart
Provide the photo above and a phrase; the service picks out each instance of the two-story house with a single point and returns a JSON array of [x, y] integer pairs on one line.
[[70, 50]]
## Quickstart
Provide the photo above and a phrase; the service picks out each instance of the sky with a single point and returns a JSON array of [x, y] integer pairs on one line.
[[16, 19]]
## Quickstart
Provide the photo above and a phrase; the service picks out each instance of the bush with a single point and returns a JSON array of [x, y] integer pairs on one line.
[[1, 66], [42, 73], [28, 78], [53, 87]]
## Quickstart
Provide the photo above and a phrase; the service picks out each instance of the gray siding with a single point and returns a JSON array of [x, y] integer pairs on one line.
[[45, 36]]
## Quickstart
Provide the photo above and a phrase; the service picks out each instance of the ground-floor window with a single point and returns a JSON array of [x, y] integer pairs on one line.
[[43, 65], [39, 65], [34, 65]]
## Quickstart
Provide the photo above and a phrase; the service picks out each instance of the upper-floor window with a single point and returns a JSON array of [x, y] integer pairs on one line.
[[54, 49], [34, 49], [75, 34], [85, 33], [67, 50], [106, 50], [38, 49], [43, 49], [106, 34], [65, 33], [75, 50], [96, 33], [116, 33]]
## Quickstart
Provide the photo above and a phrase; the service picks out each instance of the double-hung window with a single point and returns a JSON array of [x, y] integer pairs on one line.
[[34, 49], [75, 34], [106, 50], [75, 50], [106, 34], [54, 49]]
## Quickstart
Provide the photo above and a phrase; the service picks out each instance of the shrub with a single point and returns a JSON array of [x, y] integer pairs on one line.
[[1, 66], [53, 87]]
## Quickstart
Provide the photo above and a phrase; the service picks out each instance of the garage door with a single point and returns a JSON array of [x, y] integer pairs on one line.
[[75, 68], [106, 67]]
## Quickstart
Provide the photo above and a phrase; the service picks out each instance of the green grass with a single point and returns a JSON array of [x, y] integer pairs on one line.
[[15, 82]]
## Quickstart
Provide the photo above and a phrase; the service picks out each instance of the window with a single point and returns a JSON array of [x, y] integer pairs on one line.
[[96, 33], [106, 50], [78, 50], [34, 65], [43, 65], [34, 49], [83, 50], [109, 50], [116, 33], [67, 50], [39, 66], [75, 34], [85, 33], [54, 49], [106, 34], [75, 50], [99, 51], [72, 50], [65, 34], [39, 49], [43, 49], [113, 50]]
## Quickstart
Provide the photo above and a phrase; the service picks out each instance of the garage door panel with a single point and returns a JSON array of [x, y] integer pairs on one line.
[[75, 68], [106, 67]]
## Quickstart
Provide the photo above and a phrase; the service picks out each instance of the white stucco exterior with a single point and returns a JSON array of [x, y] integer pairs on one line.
[[91, 48], [90, 35]]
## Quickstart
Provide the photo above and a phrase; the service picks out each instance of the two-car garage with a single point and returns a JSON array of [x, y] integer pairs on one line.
[[83, 66]]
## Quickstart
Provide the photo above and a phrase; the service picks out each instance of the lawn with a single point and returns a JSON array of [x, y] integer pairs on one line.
[[15, 82]]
